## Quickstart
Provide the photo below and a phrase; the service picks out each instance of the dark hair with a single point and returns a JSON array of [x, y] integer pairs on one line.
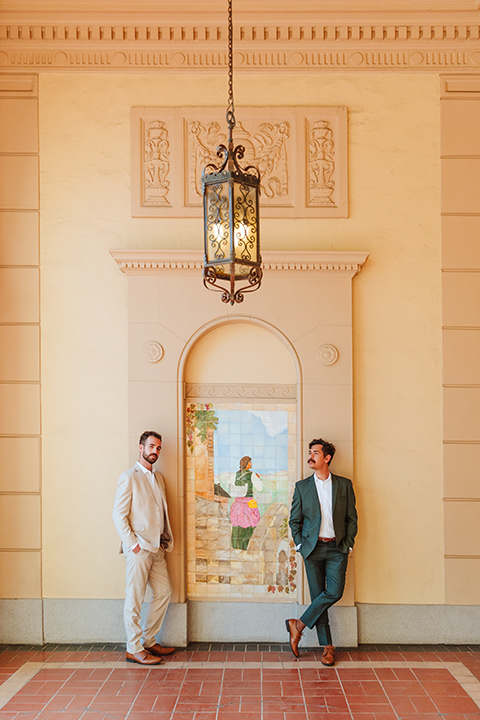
[[149, 433], [327, 447], [244, 462]]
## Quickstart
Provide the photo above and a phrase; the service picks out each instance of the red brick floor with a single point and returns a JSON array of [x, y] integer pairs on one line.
[[240, 683]]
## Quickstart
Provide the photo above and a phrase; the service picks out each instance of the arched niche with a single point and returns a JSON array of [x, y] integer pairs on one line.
[[240, 402]]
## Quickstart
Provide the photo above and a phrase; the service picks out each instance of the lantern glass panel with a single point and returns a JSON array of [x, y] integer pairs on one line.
[[245, 220], [217, 222]]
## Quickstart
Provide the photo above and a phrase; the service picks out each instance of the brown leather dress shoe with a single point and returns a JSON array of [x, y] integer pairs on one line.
[[158, 650], [144, 658], [328, 657], [294, 634]]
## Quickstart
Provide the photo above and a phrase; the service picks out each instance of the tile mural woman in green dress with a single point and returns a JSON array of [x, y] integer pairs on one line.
[[244, 513]]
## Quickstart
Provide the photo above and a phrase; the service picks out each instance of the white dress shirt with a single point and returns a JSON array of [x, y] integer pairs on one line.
[[324, 492]]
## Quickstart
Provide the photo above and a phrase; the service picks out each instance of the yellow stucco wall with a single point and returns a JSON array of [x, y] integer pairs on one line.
[[394, 215]]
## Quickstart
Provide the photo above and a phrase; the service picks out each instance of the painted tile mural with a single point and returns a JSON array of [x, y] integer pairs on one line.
[[240, 460]]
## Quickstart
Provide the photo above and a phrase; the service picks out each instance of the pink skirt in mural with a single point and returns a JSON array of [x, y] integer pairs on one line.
[[244, 512]]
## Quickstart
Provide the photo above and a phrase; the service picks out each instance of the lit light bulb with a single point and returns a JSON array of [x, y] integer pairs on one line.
[[216, 229]]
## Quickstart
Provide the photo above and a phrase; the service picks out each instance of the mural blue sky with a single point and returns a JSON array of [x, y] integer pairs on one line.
[[261, 434]]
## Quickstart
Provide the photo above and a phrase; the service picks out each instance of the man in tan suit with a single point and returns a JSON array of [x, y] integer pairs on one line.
[[140, 515]]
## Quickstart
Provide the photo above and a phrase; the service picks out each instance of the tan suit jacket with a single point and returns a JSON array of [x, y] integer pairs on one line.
[[136, 512]]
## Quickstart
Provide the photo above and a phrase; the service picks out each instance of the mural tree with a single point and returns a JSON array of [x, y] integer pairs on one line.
[[201, 422]]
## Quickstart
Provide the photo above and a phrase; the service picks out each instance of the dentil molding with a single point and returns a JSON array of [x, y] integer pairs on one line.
[[303, 38], [154, 262]]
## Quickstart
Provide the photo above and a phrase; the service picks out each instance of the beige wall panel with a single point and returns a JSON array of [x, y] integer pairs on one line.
[[20, 358], [461, 463], [176, 574], [20, 463], [19, 238], [175, 511], [461, 299], [461, 357], [174, 302], [462, 528], [327, 412], [18, 125], [461, 414], [460, 123], [318, 348], [462, 581], [19, 409], [151, 408], [343, 459], [461, 242], [460, 183], [20, 521], [144, 300], [141, 335], [19, 182], [20, 575], [19, 295], [164, 300], [329, 300], [397, 342]]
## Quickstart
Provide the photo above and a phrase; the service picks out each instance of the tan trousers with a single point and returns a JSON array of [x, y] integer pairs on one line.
[[141, 569]]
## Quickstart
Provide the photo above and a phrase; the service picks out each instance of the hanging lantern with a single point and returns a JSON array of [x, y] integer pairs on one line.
[[232, 261]]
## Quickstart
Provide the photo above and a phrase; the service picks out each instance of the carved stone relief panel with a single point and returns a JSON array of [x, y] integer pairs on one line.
[[301, 154], [155, 164]]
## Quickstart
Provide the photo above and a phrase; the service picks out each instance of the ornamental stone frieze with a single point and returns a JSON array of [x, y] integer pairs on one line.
[[421, 36], [245, 391], [301, 154]]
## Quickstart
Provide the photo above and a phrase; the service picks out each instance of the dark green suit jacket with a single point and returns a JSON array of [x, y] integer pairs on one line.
[[305, 516]]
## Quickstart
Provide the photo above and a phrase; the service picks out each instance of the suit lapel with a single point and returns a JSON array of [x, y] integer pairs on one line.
[[313, 492], [334, 492], [160, 490]]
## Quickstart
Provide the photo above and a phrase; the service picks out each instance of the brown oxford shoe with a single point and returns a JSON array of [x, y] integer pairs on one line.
[[294, 634], [144, 658], [328, 657], [158, 650]]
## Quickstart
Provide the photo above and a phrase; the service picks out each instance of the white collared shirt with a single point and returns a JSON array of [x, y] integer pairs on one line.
[[150, 476], [324, 492]]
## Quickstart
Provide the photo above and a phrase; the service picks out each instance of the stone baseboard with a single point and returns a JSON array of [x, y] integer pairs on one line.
[[70, 621], [424, 624], [262, 622], [21, 621], [85, 621]]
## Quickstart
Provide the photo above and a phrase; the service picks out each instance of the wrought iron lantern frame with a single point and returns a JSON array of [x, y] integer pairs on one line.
[[231, 212]]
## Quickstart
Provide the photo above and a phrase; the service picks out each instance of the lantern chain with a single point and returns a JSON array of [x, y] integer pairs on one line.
[[231, 107]]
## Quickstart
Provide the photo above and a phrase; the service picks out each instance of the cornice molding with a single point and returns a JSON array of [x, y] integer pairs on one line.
[[153, 262], [425, 42]]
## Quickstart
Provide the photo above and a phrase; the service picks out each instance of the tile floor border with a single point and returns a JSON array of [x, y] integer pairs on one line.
[[18, 680], [463, 676]]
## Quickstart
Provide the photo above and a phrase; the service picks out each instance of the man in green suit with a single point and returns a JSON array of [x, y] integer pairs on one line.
[[323, 522]]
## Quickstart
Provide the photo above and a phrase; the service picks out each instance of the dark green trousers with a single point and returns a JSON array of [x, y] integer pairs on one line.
[[325, 567]]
